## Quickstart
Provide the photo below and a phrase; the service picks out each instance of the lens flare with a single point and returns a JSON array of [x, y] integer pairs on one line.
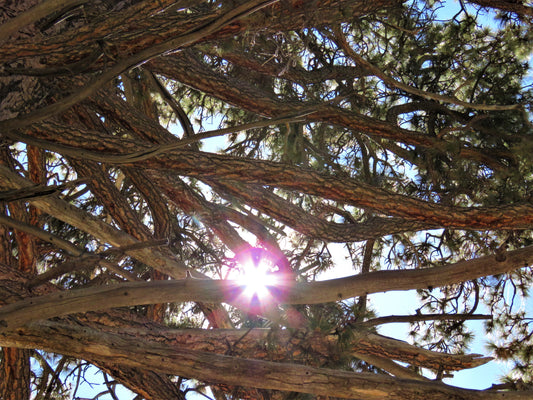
[[257, 276], [257, 279]]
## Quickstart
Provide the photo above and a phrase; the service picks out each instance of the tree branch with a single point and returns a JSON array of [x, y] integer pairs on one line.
[[218, 291], [41, 234], [83, 342], [419, 317], [34, 14], [346, 190], [66, 212], [142, 56], [391, 82]]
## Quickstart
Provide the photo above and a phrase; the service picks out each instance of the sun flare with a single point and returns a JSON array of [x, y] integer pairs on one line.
[[257, 279], [256, 273]]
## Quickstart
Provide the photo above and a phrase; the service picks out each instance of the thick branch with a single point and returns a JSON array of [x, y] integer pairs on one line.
[[217, 291], [309, 224], [282, 344], [209, 367], [146, 24], [306, 180], [342, 189]]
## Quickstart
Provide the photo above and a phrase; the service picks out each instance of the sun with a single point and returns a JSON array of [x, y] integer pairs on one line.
[[257, 275], [257, 278]]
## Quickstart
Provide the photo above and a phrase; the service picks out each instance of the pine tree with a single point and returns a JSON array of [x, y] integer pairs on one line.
[[395, 134]]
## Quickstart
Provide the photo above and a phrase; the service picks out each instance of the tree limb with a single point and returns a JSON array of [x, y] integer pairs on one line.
[[230, 370], [34, 14], [287, 292]]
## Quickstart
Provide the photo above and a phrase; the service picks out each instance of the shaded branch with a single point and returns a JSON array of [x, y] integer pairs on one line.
[[41, 234], [144, 55], [34, 14], [419, 317], [106, 233], [515, 7], [209, 367], [37, 191]]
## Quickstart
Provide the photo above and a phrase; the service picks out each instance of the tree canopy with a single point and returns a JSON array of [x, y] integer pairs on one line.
[[183, 182]]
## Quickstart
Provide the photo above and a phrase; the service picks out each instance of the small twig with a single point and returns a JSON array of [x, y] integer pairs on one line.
[[76, 264]]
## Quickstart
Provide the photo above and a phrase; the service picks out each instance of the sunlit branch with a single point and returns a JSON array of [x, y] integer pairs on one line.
[[217, 291], [250, 343], [306, 180]]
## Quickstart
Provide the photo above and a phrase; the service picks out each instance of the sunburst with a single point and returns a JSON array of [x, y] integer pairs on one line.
[[257, 276]]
